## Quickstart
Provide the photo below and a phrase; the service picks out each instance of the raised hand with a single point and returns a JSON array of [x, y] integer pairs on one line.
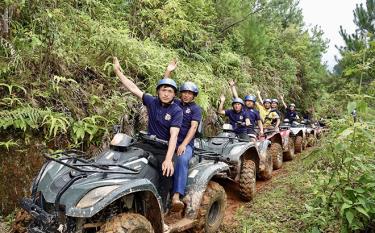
[[231, 83], [116, 64], [172, 65], [222, 98]]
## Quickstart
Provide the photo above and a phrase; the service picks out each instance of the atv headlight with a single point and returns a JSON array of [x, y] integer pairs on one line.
[[95, 195]]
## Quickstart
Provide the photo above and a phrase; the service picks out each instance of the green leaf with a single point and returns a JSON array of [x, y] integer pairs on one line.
[[362, 211], [351, 106], [349, 217]]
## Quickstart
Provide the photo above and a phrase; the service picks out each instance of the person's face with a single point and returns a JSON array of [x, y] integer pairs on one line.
[[249, 103], [267, 105], [187, 96], [292, 108], [166, 94], [237, 107], [274, 105]]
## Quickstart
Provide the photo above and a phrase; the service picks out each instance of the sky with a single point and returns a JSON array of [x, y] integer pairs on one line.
[[330, 14]]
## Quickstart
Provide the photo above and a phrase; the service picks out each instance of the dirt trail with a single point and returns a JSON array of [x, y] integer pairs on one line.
[[234, 202]]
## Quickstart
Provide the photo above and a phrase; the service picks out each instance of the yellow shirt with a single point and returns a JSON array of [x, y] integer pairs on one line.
[[267, 115]]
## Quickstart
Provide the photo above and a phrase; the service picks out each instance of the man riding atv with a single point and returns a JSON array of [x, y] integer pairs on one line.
[[238, 118], [291, 113], [192, 116], [164, 121], [249, 107]]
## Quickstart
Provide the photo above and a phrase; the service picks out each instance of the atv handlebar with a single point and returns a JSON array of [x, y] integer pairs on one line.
[[143, 135]]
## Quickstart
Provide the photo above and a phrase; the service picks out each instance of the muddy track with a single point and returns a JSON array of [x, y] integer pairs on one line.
[[234, 201]]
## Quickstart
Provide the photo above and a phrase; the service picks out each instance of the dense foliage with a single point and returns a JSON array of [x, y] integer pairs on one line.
[[345, 166], [57, 88], [55, 57]]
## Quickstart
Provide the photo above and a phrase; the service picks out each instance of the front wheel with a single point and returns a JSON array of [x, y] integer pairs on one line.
[[247, 180], [298, 144], [212, 209], [290, 155], [266, 173], [276, 150], [127, 222]]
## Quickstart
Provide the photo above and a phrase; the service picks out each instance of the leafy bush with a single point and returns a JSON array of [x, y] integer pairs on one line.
[[345, 175]]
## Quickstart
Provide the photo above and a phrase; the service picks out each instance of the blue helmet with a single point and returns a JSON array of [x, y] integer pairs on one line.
[[275, 101], [237, 100], [250, 98], [167, 82], [189, 86], [267, 100]]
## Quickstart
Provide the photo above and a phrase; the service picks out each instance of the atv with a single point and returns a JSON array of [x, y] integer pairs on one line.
[[246, 159], [276, 148], [116, 191], [288, 140], [299, 132]]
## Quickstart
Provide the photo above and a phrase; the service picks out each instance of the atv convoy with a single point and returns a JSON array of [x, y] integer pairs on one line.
[[246, 159], [116, 192]]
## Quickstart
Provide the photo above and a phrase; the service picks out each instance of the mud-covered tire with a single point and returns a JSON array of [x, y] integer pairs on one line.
[[290, 155], [276, 150], [311, 140], [298, 144], [248, 180], [266, 174], [212, 209], [127, 222]]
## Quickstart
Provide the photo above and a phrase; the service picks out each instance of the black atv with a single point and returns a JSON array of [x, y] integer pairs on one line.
[[245, 158], [116, 192]]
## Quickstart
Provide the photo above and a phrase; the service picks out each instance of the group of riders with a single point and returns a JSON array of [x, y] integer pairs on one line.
[[176, 120]]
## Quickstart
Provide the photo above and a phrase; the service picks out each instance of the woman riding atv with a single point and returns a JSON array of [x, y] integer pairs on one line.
[[269, 116]]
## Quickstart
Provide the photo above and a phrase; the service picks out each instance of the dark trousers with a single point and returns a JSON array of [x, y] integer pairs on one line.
[[164, 184]]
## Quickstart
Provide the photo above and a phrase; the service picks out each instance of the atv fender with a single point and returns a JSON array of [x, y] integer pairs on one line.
[[237, 151], [262, 150], [198, 178], [285, 134], [297, 132], [126, 188]]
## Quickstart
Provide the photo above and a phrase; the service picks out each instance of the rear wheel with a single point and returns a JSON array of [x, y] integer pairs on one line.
[[298, 144], [276, 150], [127, 222], [290, 155], [266, 173], [212, 209], [247, 180]]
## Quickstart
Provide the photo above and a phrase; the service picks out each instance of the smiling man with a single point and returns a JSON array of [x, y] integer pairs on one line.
[[192, 116], [164, 121]]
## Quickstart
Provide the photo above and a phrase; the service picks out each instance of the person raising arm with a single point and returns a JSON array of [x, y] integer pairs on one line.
[[165, 120]]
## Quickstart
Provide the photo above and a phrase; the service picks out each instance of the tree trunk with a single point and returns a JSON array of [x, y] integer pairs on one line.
[[5, 21]]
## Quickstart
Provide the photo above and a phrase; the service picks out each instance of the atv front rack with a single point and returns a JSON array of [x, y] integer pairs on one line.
[[103, 168]]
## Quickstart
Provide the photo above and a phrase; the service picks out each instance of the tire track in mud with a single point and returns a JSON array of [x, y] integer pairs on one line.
[[234, 201]]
